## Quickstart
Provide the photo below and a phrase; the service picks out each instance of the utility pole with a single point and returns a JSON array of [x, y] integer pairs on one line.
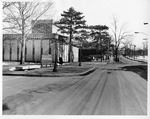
[[134, 51], [130, 51]]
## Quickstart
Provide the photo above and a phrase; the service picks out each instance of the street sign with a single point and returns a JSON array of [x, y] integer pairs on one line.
[[46, 60]]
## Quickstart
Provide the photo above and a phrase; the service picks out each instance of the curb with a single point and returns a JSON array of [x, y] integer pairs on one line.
[[54, 75], [88, 71]]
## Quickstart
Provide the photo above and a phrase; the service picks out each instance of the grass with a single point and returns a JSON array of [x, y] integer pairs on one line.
[[49, 70], [63, 69], [139, 69], [5, 107]]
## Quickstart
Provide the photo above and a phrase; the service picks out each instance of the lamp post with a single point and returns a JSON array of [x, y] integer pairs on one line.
[[145, 45], [130, 51], [145, 23], [55, 37], [143, 39], [140, 32], [80, 54]]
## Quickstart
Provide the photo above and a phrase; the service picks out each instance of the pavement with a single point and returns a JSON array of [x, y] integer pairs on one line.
[[109, 90]]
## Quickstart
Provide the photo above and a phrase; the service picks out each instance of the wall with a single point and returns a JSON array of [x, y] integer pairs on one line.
[[11, 47], [34, 49], [75, 53]]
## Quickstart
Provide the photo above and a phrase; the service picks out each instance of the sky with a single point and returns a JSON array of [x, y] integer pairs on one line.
[[100, 12]]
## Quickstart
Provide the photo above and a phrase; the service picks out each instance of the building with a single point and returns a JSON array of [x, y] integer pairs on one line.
[[39, 42]]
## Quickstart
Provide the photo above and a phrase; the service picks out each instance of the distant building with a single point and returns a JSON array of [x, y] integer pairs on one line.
[[38, 43]]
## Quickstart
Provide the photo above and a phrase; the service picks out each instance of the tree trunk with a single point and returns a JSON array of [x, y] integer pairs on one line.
[[56, 51], [70, 58], [70, 48], [116, 55], [22, 61]]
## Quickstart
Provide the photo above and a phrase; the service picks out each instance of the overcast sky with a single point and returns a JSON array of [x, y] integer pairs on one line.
[[100, 12]]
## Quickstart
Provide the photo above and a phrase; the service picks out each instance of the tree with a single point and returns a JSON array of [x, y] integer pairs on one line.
[[72, 24], [106, 42], [100, 36], [119, 34], [7, 4], [127, 45], [18, 17]]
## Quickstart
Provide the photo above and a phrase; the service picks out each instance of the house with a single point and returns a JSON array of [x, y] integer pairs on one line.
[[39, 42]]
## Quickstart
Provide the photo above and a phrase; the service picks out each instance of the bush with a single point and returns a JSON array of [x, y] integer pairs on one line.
[[87, 58], [116, 59]]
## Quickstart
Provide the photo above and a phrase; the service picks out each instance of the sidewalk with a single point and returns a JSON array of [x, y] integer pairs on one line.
[[69, 69], [136, 59]]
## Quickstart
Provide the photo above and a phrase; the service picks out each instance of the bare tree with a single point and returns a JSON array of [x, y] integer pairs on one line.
[[120, 34], [7, 4], [18, 16]]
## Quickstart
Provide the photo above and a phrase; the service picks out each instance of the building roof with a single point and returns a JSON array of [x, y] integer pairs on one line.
[[11, 36], [30, 36]]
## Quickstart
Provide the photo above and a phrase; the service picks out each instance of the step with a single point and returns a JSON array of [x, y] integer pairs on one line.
[[26, 67]]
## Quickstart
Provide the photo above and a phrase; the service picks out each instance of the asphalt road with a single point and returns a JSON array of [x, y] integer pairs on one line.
[[128, 61], [107, 91]]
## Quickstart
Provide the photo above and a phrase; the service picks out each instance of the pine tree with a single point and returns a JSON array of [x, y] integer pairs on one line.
[[99, 35], [72, 24]]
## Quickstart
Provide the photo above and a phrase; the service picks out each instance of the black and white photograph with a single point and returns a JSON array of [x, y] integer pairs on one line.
[[75, 58]]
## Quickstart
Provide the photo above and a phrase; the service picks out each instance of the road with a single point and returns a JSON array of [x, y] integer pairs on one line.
[[107, 91], [125, 60]]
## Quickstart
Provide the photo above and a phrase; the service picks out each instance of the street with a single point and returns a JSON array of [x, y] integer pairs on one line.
[[75, 57], [109, 90]]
